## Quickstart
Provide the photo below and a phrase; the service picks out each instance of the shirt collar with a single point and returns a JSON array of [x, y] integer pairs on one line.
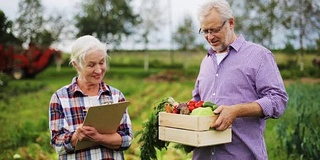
[[235, 45], [75, 88]]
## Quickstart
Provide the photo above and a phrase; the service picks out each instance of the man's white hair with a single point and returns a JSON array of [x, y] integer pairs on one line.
[[221, 6]]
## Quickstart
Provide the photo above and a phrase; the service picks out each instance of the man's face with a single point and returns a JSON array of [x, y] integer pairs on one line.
[[216, 32]]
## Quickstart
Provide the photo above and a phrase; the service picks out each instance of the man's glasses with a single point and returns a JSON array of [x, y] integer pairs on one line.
[[213, 30]]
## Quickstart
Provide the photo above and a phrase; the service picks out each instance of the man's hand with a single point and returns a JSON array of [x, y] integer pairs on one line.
[[227, 115]]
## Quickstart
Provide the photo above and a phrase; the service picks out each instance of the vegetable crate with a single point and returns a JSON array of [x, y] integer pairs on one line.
[[191, 130]]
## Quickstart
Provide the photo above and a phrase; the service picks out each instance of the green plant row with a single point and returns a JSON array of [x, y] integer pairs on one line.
[[298, 131]]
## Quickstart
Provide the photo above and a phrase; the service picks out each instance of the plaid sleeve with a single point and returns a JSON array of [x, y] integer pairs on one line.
[[125, 128], [59, 130], [125, 131]]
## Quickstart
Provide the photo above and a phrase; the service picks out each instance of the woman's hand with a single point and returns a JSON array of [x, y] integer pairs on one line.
[[88, 133], [112, 140], [75, 136]]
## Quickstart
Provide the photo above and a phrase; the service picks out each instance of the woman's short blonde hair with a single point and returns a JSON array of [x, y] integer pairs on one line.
[[84, 45]]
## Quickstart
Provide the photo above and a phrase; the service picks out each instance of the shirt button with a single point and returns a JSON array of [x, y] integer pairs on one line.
[[217, 75], [214, 94]]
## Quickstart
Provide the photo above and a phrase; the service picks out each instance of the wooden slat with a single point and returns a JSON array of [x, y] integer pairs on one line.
[[194, 138], [195, 123]]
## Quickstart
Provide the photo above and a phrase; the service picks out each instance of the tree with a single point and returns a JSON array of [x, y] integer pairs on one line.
[[302, 17], [108, 20], [258, 20], [30, 20], [185, 37], [33, 26], [57, 27], [150, 13], [7, 36], [263, 20]]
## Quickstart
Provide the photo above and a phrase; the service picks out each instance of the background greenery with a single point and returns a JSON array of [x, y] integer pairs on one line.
[[24, 103]]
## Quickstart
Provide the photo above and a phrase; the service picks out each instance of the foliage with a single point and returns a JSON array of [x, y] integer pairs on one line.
[[57, 27], [298, 130], [289, 48], [108, 20], [151, 16], [7, 89], [20, 133], [4, 79], [292, 71], [31, 134], [6, 30], [296, 20], [185, 36], [149, 134], [32, 26], [251, 18], [29, 20], [302, 17]]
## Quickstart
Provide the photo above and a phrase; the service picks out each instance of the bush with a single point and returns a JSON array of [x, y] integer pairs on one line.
[[298, 130], [31, 134], [289, 49]]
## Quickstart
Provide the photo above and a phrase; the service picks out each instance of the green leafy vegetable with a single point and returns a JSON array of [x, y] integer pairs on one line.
[[201, 111], [149, 134]]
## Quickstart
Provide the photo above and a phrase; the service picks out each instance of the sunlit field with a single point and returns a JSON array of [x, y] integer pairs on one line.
[[24, 103]]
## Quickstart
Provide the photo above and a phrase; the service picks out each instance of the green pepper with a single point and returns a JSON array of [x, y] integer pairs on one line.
[[207, 104], [210, 104]]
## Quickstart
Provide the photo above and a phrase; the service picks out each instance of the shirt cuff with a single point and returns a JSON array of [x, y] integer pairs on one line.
[[68, 144], [126, 140], [266, 106]]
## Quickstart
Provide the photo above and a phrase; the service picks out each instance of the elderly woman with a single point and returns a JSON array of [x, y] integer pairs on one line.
[[68, 104]]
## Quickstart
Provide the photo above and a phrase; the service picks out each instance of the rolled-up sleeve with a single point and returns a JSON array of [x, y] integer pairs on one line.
[[270, 88], [60, 135], [125, 131], [125, 127]]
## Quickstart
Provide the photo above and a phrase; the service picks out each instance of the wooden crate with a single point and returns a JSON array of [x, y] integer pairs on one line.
[[191, 130]]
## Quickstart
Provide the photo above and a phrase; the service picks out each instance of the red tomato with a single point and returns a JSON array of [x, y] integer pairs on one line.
[[199, 104], [192, 103], [175, 110], [191, 108]]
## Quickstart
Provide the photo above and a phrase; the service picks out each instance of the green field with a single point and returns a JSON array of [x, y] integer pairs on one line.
[[24, 103]]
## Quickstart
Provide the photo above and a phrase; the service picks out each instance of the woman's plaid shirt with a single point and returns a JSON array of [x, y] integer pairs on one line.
[[67, 111]]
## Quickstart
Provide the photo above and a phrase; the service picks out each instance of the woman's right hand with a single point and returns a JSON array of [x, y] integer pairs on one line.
[[76, 136]]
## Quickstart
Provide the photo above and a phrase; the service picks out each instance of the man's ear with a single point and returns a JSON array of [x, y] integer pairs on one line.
[[231, 23]]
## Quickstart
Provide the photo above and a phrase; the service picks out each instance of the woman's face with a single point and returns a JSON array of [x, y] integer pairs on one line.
[[94, 68]]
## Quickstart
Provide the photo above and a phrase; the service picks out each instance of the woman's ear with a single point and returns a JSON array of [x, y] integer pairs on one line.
[[76, 66]]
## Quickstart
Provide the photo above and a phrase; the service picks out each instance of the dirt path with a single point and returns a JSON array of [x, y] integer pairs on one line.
[[303, 80]]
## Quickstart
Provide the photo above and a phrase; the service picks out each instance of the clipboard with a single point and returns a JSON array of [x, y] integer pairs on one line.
[[105, 118]]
